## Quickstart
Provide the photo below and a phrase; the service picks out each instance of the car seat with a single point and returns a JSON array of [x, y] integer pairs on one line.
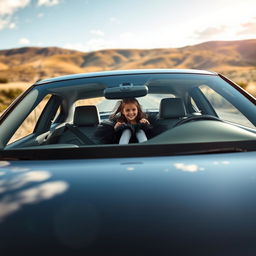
[[171, 111], [85, 122]]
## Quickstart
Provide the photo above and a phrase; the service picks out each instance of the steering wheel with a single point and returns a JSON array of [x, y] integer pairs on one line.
[[197, 118]]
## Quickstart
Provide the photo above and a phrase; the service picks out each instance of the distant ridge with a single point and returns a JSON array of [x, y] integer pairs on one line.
[[237, 59]]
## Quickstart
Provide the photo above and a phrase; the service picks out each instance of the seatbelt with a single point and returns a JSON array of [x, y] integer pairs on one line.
[[81, 136]]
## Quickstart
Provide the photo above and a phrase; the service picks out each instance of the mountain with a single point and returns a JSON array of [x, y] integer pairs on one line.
[[236, 59]]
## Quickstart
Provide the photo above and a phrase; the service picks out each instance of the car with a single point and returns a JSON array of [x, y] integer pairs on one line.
[[188, 189]]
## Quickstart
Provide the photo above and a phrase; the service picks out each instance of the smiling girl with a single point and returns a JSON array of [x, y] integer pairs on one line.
[[130, 121], [129, 124]]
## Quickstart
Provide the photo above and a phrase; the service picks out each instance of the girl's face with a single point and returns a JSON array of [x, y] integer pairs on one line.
[[130, 111]]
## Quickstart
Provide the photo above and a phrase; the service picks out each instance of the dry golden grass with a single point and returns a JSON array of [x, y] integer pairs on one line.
[[3, 66], [251, 88], [63, 63], [93, 101], [29, 123], [235, 59], [13, 85], [37, 63]]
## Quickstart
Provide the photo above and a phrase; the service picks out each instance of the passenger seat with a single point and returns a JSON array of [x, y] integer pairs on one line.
[[81, 132]]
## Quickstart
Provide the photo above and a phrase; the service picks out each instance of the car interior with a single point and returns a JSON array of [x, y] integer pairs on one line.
[[87, 119]]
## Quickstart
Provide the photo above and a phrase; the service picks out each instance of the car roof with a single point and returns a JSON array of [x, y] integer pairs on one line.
[[123, 72]]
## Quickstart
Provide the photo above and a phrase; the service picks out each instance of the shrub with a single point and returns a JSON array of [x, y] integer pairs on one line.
[[242, 84], [11, 94], [7, 96], [3, 80]]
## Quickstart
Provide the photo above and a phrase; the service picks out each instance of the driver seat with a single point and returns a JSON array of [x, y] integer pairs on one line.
[[171, 111]]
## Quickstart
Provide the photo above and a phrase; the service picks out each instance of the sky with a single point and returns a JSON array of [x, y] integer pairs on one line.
[[90, 25]]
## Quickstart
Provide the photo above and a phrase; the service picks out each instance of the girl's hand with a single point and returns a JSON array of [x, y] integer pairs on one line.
[[144, 121], [118, 124]]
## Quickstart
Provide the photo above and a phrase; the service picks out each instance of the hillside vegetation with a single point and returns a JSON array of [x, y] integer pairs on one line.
[[236, 59]]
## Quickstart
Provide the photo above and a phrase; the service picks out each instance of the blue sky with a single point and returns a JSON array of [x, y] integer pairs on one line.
[[90, 25]]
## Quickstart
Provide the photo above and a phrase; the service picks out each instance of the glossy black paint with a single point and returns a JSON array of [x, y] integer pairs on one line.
[[162, 199], [144, 206]]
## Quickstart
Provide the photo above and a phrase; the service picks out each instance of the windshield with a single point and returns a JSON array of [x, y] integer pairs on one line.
[[224, 100], [178, 109]]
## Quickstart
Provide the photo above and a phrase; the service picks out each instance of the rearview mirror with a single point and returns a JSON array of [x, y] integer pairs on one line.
[[125, 90]]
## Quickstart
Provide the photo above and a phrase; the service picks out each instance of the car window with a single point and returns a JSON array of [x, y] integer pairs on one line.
[[56, 115], [224, 109], [152, 101], [184, 99], [29, 124], [91, 101], [194, 106], [148, 103]]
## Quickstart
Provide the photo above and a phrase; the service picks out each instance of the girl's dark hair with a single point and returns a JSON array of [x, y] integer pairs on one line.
[[119, 117]]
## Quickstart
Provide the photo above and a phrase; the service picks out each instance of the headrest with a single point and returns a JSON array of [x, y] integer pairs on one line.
[[171, 108], [86, 116]]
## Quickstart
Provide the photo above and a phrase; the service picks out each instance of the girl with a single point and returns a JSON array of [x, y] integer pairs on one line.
[[129, 124]]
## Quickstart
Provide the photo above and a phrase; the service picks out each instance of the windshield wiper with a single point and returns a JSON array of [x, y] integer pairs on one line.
[[130, 150], [219, 150]]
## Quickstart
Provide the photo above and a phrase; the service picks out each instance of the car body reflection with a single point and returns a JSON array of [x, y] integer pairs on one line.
[[29, 187]]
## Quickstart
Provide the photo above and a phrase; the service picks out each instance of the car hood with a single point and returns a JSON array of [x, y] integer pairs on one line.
[[196, 205]]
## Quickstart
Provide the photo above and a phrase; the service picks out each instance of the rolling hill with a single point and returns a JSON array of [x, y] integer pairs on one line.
[[236, 59]]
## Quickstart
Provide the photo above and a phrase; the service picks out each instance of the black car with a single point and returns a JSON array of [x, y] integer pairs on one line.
[[189, 189]]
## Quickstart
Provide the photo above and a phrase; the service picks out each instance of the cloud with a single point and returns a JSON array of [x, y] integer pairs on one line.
[[12, 25], [93, 44], [8, 7], [210, 32], [97, 32], [24, 41], [4, 23], [248, 28], [47, 2], [123, 40], [74, 46]]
